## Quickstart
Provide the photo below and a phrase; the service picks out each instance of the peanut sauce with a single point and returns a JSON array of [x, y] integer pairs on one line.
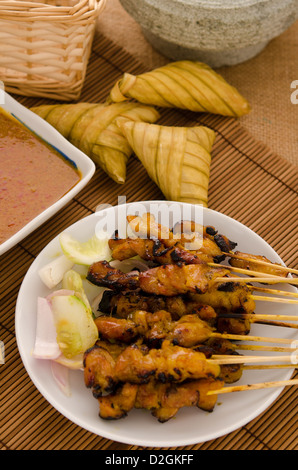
[[33, 175]]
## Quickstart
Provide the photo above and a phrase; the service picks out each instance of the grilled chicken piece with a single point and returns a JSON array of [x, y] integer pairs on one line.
[[117, 404], [211, 239], [99, 367], [227, 297], [124, 303], [188, 331], [229, 373], [186, 233], [155, 250], [136, 365], [173, 280], [168, 280], [119, 329], [233, 326], [246, 261], [163, 400], [187, 243], [168, 364], [103, 274]]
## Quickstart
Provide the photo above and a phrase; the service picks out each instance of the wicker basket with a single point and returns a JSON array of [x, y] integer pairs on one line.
[[45, 46]]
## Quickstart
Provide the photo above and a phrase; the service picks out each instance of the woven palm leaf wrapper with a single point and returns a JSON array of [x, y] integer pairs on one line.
[[177, 159], [184, 85], [92, 128], [45, 46]]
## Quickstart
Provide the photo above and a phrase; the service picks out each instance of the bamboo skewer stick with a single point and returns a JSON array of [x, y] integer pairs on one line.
[[274, 299], [251, 338], [273, 280], [269, 366], [274, 291], [247, 271], [222, 360], [259, 316], [248, 347], [242, 359], [261, 262], [278, 323], [256, 386], [262, 319]]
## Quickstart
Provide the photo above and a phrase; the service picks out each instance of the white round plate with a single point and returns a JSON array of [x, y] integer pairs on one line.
[[191, 425]]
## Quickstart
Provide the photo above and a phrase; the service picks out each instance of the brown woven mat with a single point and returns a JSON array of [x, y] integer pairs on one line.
[[248, 182]]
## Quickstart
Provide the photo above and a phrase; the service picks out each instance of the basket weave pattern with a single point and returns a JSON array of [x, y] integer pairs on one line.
[[45, 46]]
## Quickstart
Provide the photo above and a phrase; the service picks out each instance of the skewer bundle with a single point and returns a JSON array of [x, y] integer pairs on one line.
[[164, 352]]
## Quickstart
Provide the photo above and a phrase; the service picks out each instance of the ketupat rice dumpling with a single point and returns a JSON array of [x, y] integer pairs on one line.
[[92, 128], [177, 159], [184, 84]]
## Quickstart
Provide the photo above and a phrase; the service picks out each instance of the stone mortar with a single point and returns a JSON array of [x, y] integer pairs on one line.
[[217, 32]]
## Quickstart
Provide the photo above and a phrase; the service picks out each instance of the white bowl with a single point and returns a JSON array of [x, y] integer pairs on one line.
[[217, 32], [53, 137]]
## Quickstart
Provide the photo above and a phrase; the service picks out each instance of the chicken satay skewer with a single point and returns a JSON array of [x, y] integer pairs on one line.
[[168, 364], [188, 331], [260, 262], [171, 280], [150, 250], [126, 306], [147, 223], [165, 400], [256, 386], [196, 260]]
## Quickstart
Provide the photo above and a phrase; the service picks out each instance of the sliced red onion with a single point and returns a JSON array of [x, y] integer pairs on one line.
[[74, 363], [61, 377], [46, 346], [59, 292]]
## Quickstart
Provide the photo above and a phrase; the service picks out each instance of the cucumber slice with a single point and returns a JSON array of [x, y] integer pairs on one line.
[[76, 330]]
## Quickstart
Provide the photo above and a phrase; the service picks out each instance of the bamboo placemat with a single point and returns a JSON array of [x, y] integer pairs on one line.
[[248, 182]]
